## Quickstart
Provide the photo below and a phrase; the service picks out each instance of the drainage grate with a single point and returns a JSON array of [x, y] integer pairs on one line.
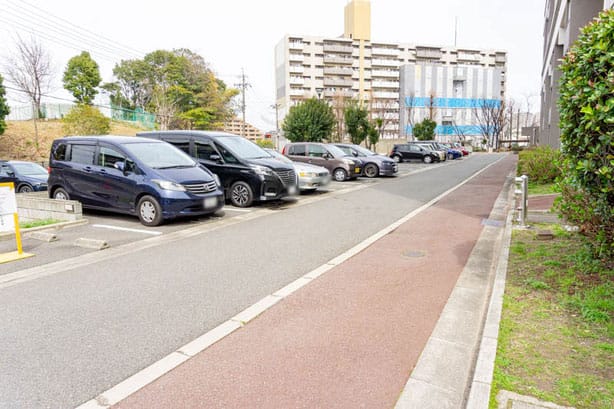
[[414, 253]]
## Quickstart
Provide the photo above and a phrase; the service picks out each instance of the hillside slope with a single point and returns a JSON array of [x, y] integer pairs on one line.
[[18, 140]]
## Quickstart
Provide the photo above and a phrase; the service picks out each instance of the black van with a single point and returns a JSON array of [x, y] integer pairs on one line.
[[247, 172], [127, 174]]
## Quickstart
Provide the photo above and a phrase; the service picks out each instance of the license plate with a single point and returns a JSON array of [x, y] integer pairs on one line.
[[210, 202], [292, 190], [356, 170]]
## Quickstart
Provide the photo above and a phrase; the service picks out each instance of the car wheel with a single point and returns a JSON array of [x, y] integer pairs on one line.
[[241, 194], [24, 189], [61, 194], [450, 156], [397, 159], [371, 170], [427, 159], [340, 174], [149, 211]]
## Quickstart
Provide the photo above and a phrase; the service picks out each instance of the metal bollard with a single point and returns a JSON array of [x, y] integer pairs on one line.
[[522, 194]]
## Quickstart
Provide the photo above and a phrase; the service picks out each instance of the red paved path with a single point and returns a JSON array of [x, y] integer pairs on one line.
[[350, 338]]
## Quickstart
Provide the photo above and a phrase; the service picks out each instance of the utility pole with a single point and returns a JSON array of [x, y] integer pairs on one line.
[[243, 86], [276, 106]]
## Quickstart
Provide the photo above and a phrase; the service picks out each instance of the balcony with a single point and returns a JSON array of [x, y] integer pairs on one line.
[[296, 57], [386, 95], [338, 93], [296, 45], [500, 58], [337, 82], [389, 52], [463, 56], [335, 48], [298, 69], [338, 71], [384, 73], [385, 84], [425, 52], [297, 80], [296, 92], [331, 59], [385, 63]]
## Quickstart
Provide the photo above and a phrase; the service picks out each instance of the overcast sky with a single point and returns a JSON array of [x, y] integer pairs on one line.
[[241, 34]]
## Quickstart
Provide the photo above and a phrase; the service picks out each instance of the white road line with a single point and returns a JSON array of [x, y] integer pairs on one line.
[[165, 365], [236, 209], [106, 226]]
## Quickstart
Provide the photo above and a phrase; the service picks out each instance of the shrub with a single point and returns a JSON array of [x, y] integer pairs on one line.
[[541, 165], [425, 130], [586, 110], [265, 143], [85, 120]]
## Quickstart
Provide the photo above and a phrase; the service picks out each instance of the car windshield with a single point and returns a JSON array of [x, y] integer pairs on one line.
[[29, 169], [278, 155], [364, 151], [244, 148], [159, 155], [336, 152]]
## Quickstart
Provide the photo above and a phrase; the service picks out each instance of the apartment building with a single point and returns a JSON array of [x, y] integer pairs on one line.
[[353, 66], [563, 20], [238, 127]]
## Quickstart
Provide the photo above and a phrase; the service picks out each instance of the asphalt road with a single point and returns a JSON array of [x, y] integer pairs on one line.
[[92, 320]]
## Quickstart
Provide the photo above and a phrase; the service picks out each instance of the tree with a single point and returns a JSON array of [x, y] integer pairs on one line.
[[356, 122], [85, 120], [374, 132], [30, 70], [177, 86], [490, 117], [82, 77], [586, 109], [309, 121], [4, 107], [425, 130]]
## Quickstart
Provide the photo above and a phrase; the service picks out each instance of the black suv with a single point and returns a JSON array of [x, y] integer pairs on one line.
[[247, 172], [413, 151]]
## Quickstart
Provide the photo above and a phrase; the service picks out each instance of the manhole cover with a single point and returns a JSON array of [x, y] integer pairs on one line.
[[415, 253]]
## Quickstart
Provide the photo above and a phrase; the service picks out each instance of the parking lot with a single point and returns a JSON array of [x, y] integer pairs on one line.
[[113, 230]]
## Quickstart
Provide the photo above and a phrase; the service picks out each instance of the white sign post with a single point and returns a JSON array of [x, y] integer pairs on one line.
[[9, 220]]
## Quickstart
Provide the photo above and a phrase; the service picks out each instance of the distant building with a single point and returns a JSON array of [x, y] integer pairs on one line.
[[238, 127], [354, 66], [563, 20], [449, 95]]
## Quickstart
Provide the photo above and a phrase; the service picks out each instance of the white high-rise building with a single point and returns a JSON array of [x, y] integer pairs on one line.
[[353, 66]]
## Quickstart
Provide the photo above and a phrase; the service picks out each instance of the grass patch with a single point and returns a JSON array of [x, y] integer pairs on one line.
[[542, 188], [556, 339], [37, 223]]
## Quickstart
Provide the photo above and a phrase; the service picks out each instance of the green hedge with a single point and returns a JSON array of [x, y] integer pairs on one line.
[[541, 164]]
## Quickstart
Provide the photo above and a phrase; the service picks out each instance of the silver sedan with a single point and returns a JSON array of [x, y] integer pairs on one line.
[[310, 177]]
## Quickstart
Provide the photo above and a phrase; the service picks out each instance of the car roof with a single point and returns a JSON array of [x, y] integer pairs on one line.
[[120, 139], [215, 134]]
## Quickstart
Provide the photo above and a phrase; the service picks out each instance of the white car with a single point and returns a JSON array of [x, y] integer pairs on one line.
[[310, 177]]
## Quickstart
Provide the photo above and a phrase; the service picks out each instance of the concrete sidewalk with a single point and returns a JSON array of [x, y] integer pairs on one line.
[[353, 336]]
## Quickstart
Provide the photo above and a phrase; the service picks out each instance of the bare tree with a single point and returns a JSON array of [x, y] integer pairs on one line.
[[491, 119], [384, 112], [31, 71], [410, 108], [431, 107]]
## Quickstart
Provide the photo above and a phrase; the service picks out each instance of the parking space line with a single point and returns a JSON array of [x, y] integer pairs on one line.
[[106, 226]]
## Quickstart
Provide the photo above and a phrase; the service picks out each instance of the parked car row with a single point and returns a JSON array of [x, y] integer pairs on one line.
[[427, 151], [162, 175]]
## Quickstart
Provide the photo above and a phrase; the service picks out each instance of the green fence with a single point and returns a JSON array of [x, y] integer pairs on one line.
[[138, 115]]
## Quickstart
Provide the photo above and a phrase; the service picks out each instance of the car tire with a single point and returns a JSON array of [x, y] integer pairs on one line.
[[371, 170], [241, 194], [149, 211], [397, 159], [25, 189], [450, 156], [340, 175], [61, 194], [427, 159]]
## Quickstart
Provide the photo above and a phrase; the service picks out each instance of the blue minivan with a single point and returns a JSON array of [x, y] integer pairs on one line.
[[125, 174]]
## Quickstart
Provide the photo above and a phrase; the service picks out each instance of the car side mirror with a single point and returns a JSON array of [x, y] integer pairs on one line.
[[327, 155], [216, 158], [10, 173], [121, 166], [355, 154]]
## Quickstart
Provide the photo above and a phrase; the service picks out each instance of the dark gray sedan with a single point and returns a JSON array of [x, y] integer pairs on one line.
[[374, 164]]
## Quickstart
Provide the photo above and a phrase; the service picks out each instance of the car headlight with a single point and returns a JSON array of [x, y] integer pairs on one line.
[[217, 179], [168, 185], [349, 162], [261, 170], [308, 174]]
